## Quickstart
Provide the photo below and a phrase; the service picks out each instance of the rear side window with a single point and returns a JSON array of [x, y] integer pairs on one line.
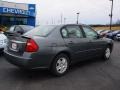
[[72, 32], [64, 33], [42, 31]]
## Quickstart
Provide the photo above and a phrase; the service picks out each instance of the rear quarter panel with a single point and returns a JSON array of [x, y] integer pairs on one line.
[[50, 46]]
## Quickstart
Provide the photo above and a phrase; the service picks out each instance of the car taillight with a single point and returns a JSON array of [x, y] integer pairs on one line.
[[31, 46]]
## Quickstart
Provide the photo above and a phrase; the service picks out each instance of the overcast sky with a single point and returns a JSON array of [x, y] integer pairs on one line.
[[91, 11]]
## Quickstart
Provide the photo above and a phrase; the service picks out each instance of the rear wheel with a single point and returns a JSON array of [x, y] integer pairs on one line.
[[60, 65], [107, 53]]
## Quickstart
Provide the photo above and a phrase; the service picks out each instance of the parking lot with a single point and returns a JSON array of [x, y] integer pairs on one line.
[[89, 75]]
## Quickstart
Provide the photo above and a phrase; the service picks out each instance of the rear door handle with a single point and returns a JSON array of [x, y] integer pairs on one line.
[[70, 42], [90, 41]]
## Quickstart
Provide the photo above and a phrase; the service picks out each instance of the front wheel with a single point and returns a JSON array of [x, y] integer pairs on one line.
[[60, 65], [107, 53]]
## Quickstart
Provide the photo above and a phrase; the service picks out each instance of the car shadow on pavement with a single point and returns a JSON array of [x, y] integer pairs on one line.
[[88, 63], [20, 74]]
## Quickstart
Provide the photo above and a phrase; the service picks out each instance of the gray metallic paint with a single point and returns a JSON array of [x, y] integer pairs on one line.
[[52, 45]]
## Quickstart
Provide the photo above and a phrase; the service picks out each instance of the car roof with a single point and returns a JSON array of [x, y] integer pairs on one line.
[[69, 24], [62, 25], [21, 25]]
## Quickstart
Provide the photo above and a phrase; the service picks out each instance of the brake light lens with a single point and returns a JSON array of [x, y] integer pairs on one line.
[[31, 46]]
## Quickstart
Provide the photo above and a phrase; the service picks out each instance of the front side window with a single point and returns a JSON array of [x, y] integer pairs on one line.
[[72, 32], [89, 32]]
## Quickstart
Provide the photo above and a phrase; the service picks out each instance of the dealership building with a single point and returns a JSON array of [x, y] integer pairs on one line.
[[17, 13]]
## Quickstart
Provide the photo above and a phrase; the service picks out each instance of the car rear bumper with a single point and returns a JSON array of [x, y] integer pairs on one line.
[[22, 62]]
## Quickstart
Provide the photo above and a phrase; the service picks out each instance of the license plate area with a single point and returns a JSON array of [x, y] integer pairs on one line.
[[14, 46]]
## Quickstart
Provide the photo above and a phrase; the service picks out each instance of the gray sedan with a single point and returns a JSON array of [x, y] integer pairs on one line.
[[56, 47]]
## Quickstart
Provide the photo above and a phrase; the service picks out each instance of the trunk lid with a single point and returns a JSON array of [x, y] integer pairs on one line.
[[16, 45], [11, 34]]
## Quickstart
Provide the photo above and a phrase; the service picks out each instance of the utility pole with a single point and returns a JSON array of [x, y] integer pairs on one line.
[[111, 15], [77, 17], [61, 18]]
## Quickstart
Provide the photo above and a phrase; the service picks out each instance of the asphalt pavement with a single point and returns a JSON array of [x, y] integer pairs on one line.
[[94, 74]]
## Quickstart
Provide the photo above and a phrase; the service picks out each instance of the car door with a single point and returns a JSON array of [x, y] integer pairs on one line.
[[95, 42], [75, 41]]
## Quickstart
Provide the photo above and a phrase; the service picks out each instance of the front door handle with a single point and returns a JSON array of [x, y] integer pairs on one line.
[[54, 44]]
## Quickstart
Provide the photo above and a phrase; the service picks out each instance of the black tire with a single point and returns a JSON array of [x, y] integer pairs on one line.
[[114, 38], [55, 62], [107, 50], [1, 53]]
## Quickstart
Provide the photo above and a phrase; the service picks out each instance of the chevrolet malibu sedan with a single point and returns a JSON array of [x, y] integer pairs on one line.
[[56, 47]]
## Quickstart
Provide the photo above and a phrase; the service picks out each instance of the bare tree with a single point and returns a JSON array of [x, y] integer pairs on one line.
[[118, 22]]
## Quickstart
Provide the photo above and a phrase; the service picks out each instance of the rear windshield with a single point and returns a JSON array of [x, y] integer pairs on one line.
[[42, 31]]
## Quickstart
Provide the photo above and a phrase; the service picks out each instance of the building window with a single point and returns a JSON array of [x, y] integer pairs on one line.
[[21, 21]]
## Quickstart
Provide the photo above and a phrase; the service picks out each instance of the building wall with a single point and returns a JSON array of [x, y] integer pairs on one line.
[[19, 10], [14, 5]]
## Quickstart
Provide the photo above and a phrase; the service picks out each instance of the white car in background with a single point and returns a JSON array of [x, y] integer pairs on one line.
[[99, 31], [3, 42], [118, 37]]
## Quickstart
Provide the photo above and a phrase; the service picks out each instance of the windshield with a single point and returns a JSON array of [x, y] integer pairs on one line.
[[27, 28], [41, 31]]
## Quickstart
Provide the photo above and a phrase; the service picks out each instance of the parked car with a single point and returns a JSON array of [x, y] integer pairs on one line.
[[17, 30], [103, 33], [3, 42], [118, 37], [112, 35], [56, 47], [99, 31]]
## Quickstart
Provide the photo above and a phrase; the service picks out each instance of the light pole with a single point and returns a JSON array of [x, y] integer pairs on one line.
[[64, 20], [111, 15], [61, 18], [77, 17]]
